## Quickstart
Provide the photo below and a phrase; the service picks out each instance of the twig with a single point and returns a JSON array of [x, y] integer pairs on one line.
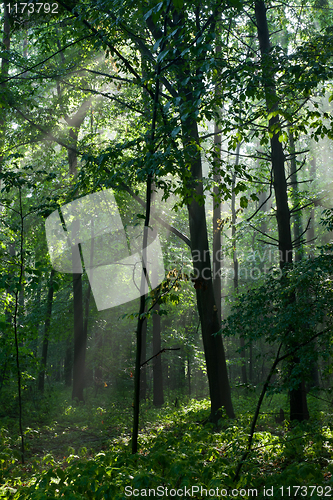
[[294, 210], [261, 232], [296, 153], [160, 352], [305, 230], [263, 203], [299, 168]]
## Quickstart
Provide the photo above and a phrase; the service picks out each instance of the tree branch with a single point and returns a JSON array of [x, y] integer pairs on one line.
[[45, 132], [278, 359], [44, 61]]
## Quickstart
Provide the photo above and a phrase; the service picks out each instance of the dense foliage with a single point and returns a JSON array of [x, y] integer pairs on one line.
[[209, 123], [178, 450]]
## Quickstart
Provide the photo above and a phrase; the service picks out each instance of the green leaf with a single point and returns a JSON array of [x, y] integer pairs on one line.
[[175, 131], [243, 202], [162, 55]]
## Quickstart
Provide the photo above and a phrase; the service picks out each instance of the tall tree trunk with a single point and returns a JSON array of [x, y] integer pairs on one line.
[[310, 237], [68, 363], [218, 381], [277, 154], [189, 373], [143, 371], [4, 76], [310, 234], [157, 361], [251, 363], [295, 198], [49, 303], [298, 405], [141, 317], [80, 332], [79, 339], [217, 237], [3, 86], [143, 374], [235, 259]]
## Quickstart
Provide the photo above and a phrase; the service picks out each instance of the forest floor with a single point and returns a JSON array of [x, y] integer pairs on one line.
[[83, 451]]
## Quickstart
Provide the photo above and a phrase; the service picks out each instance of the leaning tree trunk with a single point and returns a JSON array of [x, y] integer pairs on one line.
[[298, 404]]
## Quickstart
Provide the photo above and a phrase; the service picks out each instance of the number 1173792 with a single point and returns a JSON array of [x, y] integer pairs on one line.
[[32, 8], [306, 491]]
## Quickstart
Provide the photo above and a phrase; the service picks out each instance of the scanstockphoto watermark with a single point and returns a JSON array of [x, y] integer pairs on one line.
[[246, 273], [193, 491], [251, 266], [268, 255], [88, 233], [254, 256]]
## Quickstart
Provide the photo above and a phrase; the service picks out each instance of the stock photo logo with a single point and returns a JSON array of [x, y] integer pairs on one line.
[[90, 229]]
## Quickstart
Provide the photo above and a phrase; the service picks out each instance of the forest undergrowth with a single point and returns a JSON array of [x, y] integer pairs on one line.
[[83, 451]]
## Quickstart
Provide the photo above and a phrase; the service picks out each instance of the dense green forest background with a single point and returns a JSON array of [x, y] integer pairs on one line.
[[210, 126]]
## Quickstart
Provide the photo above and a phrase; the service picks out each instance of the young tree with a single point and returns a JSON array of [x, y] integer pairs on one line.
[[47, 324]]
